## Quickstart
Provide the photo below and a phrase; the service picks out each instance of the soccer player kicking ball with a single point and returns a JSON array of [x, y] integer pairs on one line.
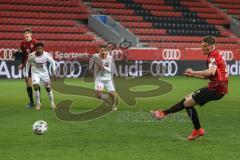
[[216, 89], [38, 61], [27, 47], [103, 71]]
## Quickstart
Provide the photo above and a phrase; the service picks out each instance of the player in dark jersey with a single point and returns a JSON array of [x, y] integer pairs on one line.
[[216, 89], [27, 47]]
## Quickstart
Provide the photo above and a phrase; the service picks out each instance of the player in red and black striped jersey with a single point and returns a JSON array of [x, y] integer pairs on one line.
[[216, 89], [27, 47]]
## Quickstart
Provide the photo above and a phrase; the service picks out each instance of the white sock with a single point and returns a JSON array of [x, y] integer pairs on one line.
[[50, 95], [37, 95]]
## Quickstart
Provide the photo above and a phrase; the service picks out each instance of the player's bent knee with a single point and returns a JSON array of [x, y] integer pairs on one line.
[[189, 102], [188, 96]]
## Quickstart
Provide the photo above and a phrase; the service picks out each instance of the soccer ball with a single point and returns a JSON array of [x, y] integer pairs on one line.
[[39, 127]]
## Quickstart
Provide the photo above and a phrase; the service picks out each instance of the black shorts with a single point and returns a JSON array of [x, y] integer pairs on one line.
[[204, 95]]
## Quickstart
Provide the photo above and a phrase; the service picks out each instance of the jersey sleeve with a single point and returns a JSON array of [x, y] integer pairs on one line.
[[93, 60], [212, 62], [113, 67], [23, 54], [28, 63], [21, 45], [34, 45], [90, 65], [51, 61]]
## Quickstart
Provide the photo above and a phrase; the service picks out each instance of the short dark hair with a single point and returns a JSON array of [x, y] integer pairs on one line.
[[210, 40], [27, 30], [103, 46], [39, 44]]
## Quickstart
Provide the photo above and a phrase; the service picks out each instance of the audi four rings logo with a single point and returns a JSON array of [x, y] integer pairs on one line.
[[7, 54], [171, 54], [69, 69], [117, 54], [164, 68], [227, 55]]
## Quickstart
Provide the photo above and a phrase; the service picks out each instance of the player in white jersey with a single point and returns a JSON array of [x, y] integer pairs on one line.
[[38, 62], [103, 76]]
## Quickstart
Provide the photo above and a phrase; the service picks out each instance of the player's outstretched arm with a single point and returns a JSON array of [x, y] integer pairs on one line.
[[54, 69], [204, 74], [195, 76], [207, 72]]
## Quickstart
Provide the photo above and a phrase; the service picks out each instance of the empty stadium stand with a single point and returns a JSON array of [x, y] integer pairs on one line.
[[158, 23], [170, 23], [55, 22], [231, 7]]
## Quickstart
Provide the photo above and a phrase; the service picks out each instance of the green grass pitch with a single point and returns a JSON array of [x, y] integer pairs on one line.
[[127, 134]]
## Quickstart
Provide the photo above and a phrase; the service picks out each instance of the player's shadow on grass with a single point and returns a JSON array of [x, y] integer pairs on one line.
[[123, 89]]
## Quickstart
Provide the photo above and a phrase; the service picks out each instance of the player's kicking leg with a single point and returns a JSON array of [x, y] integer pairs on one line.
[[188, 104]]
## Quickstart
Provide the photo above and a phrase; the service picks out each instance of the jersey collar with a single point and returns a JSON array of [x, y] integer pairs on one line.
[[214, 52]]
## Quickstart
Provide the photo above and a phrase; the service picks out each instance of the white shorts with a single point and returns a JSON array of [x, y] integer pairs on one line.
[[40, 78], [99, 85]]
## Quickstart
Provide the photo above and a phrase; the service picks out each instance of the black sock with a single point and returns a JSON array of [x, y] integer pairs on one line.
[[30, 94], [176, 108], [193, 115]]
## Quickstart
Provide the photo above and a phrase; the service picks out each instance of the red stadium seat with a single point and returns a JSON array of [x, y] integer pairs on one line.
[[147, 31], [51, 21], [41, 2], [118, 11], [158, 8], [108, 5], [42, 15], [61, 9], [126, 18], [158, 23], [159, 2], [137, 24]]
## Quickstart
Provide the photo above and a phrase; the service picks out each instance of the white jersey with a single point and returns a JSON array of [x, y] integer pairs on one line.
[[106, 73], [39, 63]]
